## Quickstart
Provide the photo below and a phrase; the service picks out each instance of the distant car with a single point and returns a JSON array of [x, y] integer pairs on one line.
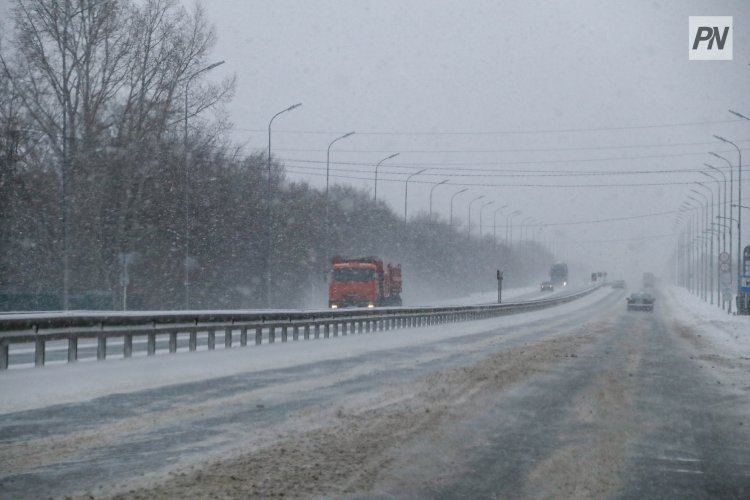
[[618, 284], [641, 301], [547, 286]]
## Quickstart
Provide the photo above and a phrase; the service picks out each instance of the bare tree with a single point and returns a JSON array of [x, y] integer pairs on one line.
[[103, 80]]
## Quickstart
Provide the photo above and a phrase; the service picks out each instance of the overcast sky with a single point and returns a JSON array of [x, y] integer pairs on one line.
[[507, 98]]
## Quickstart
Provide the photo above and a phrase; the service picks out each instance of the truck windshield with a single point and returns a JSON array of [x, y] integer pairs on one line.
[[353, 274]]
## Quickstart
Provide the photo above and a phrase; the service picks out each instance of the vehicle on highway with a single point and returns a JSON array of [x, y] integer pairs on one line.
[[364, 282], [618, 284], [547, 286], [641, 301], [558, 274]]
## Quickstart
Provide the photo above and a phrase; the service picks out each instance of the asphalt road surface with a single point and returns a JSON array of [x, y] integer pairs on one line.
[[594, 403]]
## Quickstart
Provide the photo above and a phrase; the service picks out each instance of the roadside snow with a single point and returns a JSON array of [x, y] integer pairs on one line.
[[35, 388], [726, 331]]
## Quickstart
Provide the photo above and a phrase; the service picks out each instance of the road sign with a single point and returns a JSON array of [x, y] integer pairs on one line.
[[724, 257], [724, 267], [725, 279]]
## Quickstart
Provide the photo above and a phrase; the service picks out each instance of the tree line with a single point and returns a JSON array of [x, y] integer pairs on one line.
[[108, 194]]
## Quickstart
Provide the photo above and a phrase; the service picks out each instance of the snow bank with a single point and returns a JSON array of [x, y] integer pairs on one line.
[[726, 331]]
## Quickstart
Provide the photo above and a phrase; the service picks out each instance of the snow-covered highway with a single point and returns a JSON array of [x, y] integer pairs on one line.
[[580, 400]]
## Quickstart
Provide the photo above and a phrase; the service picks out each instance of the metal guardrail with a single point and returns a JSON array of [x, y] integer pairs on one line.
[[38, 329]]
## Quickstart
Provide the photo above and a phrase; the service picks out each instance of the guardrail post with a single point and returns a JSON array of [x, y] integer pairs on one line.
[[39, 352], [243, 337], [193, 341], [3, 356], [326, 330], [306, 334], [172, 341], [72, 349], [101, 348], [284, 333], [295, 333], [127, 346], [335, 329], [317, 331], [228, 337], [344, 328], [271, 334], [211, 339], [258, 335], [151, 344]]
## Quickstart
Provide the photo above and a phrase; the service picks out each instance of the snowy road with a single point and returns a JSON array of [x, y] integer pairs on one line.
[[581, 400]]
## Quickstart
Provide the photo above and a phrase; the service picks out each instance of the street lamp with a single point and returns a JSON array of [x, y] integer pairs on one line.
[[454, 195], [269, 210], [494, 223], [707, 228], [739, 212], [524, 233], [719, 233], [327, 220], [509, 228], [187, 182], [481, 209], [406, 190], [703, 204], [376, 172], [724, 205], [431, 190], [471, 203]]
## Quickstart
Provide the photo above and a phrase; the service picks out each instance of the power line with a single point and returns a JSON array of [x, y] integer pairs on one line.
[[518, 173], [504, 185], [441, 165], [514, 150], [499, 132]]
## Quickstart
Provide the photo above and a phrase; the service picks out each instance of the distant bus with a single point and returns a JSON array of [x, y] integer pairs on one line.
[[558, 274]]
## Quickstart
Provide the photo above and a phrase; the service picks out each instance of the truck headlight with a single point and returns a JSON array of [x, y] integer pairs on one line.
[[370, 306], [334, 306]]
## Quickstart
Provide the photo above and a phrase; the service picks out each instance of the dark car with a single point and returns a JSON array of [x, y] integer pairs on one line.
[[641, 301], [547, 286]]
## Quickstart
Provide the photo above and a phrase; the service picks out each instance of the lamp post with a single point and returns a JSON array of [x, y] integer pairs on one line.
[[509, 228], [326, 244], [724, 205], [468, 233], [693, 250], [269, 208], [481, 209], [376, 172], [703, 204], [731, 198], [707, 228], [431, 190], [494, 223], [406, 191], [187, 182], [454, 195], [719, 234], [525, 228], [739, 212]]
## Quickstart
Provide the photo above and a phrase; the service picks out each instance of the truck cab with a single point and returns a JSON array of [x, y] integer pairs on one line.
[[353, 284]]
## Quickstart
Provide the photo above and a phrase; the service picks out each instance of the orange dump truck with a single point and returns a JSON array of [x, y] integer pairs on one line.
[[364, 282]]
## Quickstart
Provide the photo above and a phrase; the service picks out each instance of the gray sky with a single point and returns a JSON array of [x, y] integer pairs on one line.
[[505, 97], [486, 87]]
